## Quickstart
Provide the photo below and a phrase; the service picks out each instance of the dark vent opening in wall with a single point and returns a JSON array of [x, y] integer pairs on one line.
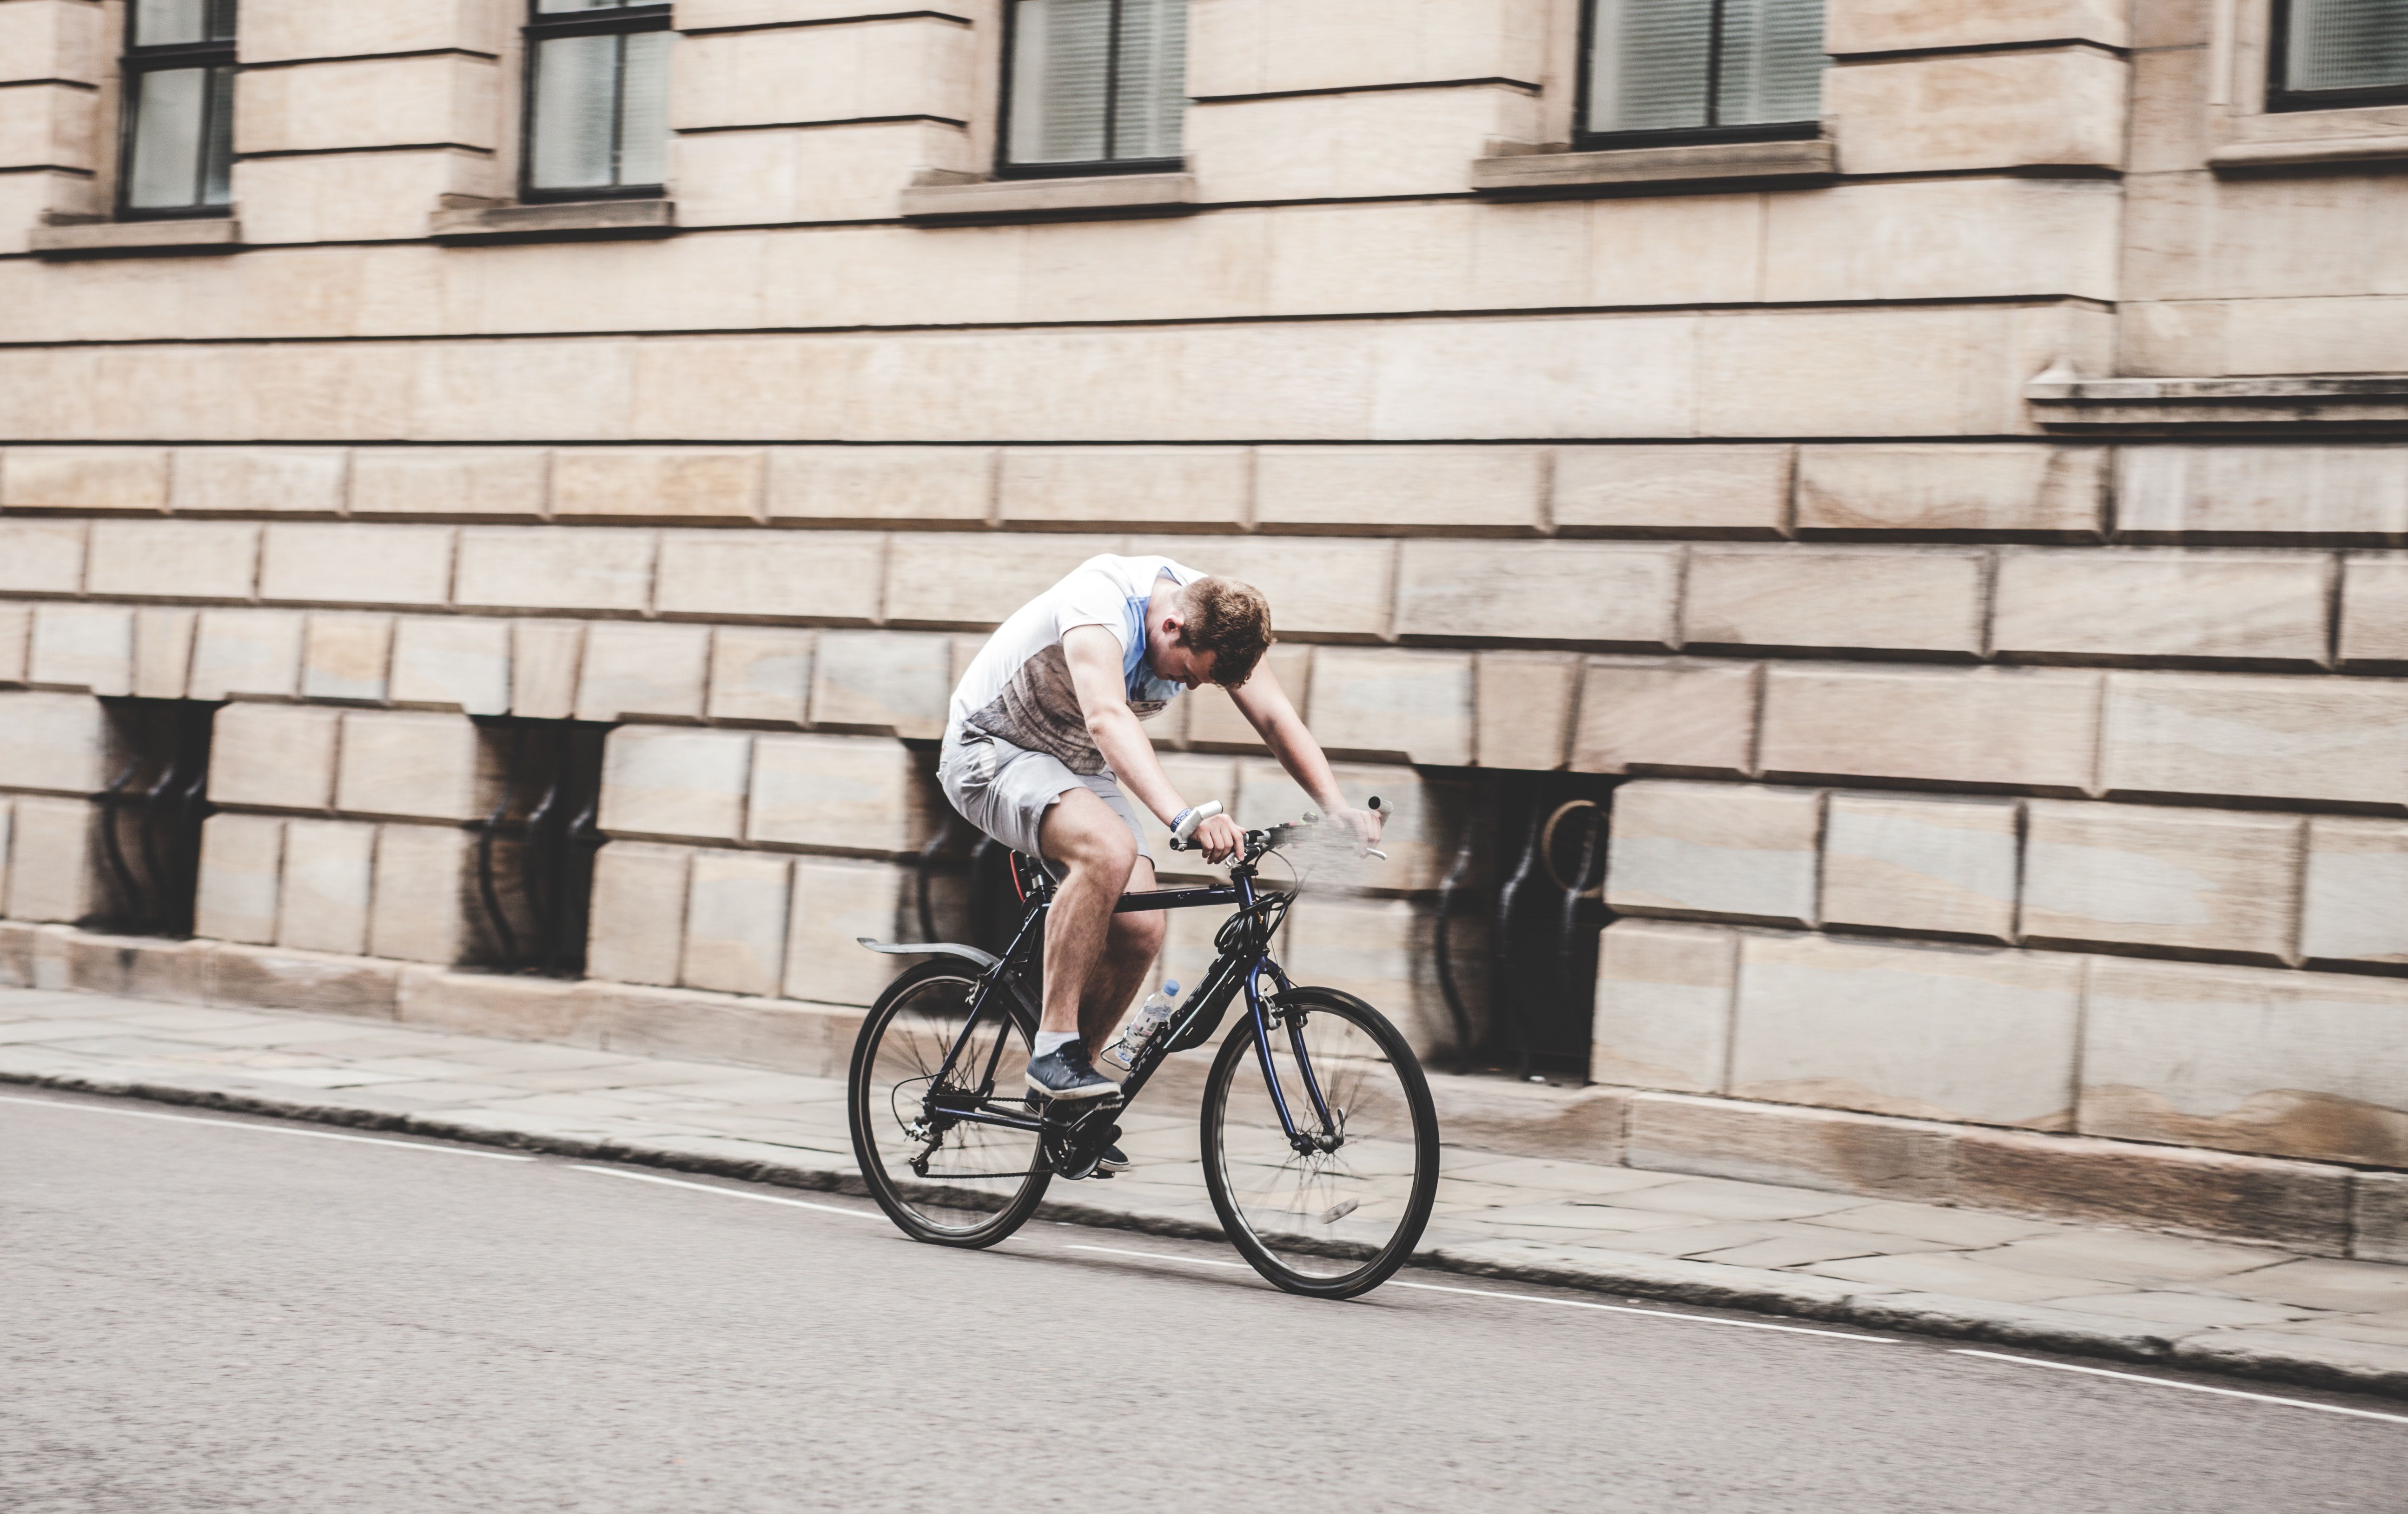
[[1542, 837], [149, 822], [532, 875]]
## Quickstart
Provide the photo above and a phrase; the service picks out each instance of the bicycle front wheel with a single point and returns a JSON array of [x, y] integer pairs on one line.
[[1337, 1217], [944, 1179]]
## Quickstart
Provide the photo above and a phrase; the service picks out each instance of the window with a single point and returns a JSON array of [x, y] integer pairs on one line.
[[597, 90], [1094, 86], [178, 134], [1702, 71], [2331, 54]]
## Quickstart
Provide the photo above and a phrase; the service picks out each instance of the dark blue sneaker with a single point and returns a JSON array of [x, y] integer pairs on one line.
[[1113, 1160], [1066, 1074]]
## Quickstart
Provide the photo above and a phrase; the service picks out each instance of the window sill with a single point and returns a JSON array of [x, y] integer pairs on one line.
[[138, 238], [2376, 400], [1627, 169], [570, 221], [2305, 139], [962, 202]]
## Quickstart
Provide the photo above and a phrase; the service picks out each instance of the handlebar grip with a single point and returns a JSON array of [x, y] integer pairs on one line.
[[1198, 816]]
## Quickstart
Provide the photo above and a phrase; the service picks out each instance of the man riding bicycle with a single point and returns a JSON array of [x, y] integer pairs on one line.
[[1043, 737]]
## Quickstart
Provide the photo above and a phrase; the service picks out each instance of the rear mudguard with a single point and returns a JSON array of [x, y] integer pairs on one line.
[[986, 960]]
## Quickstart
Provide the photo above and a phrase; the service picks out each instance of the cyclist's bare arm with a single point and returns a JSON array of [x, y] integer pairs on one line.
[[1094, 656], [1268, 710]]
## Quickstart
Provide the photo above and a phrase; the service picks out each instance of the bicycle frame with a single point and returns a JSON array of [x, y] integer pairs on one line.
[[1238, 966]]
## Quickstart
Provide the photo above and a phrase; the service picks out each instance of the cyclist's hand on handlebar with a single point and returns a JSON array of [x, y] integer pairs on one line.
[[1219, 838], [1362, 825]]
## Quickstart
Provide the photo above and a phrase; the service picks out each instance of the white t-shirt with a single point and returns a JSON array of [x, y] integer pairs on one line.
[[1018, 688]]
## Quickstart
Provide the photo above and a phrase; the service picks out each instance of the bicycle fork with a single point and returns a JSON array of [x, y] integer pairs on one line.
[[1328, 1136]]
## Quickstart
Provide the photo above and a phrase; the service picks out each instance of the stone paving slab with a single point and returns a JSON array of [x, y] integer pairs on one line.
[[1878, 1262]]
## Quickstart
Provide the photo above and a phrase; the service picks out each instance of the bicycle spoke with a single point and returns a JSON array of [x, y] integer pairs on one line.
[[1321, 1214], [952, 1175]]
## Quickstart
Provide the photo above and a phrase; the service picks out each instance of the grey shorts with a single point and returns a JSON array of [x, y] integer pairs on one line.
[[1005, 790]]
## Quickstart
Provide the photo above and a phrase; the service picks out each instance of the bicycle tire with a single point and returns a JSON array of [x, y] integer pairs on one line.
[[1272, 1204], [923, 1009]]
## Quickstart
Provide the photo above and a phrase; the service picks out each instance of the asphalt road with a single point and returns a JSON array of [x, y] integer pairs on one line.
[[195, 1316]]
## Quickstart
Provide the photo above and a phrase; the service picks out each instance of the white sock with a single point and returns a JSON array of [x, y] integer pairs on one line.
[[1049, 1042]]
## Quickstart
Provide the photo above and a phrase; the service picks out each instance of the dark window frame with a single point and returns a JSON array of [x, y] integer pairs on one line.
[[1006, 169], [138, 59], [2280, 96], [1585, 140], [545, 26]]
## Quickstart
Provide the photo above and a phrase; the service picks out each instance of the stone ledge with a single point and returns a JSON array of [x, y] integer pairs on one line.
[[968, 201], [137, 238], [2302, 1205], [2242, 157], [2274, 140], [1625, 168], [576, 220], [2063, 400], [2379, 1217]]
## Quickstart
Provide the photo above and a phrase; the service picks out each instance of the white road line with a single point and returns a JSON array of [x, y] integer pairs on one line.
[[733, 1192], [1160, 1256], [272, 1130], [1522, 1298], [1650, 1314], [2187, 1386]]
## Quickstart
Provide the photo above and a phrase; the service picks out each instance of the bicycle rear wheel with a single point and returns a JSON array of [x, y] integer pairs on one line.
[[1335, 1220], [947, 1181]]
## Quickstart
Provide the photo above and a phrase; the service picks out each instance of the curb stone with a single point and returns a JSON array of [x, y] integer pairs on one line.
[[2336, 1363], [2258, 1353]]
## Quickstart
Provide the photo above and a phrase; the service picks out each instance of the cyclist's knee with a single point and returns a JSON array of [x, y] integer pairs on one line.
[[1139, 934], [1080, 833], [1112, 852]]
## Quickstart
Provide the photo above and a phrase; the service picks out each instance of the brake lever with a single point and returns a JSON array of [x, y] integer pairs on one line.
[[1374, 805]]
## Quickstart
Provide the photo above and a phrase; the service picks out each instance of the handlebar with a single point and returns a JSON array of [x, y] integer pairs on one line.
[[1185, 831], [1258, 842]]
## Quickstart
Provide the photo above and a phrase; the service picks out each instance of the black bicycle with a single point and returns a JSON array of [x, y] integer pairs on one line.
[[1323, 1169]]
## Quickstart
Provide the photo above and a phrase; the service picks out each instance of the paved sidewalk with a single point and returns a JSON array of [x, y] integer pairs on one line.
[[2132, 1294]]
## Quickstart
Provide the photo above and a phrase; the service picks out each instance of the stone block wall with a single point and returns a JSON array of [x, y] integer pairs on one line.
[[337, 830], [759, 672]]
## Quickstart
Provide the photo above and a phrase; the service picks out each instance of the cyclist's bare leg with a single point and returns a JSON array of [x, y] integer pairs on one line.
[[1131, 946], [1098, 857]]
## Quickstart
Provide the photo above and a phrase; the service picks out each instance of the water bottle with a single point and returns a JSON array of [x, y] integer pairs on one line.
[[1149, 1023]]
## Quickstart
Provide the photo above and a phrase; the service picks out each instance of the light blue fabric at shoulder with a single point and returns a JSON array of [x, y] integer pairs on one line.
[[1133, 639], [1137, 680]]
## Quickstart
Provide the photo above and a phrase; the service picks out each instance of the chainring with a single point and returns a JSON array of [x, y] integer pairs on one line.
[[1073, 1147]]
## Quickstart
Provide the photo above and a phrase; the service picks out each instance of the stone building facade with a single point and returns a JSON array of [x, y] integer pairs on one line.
[[1958, 533]]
